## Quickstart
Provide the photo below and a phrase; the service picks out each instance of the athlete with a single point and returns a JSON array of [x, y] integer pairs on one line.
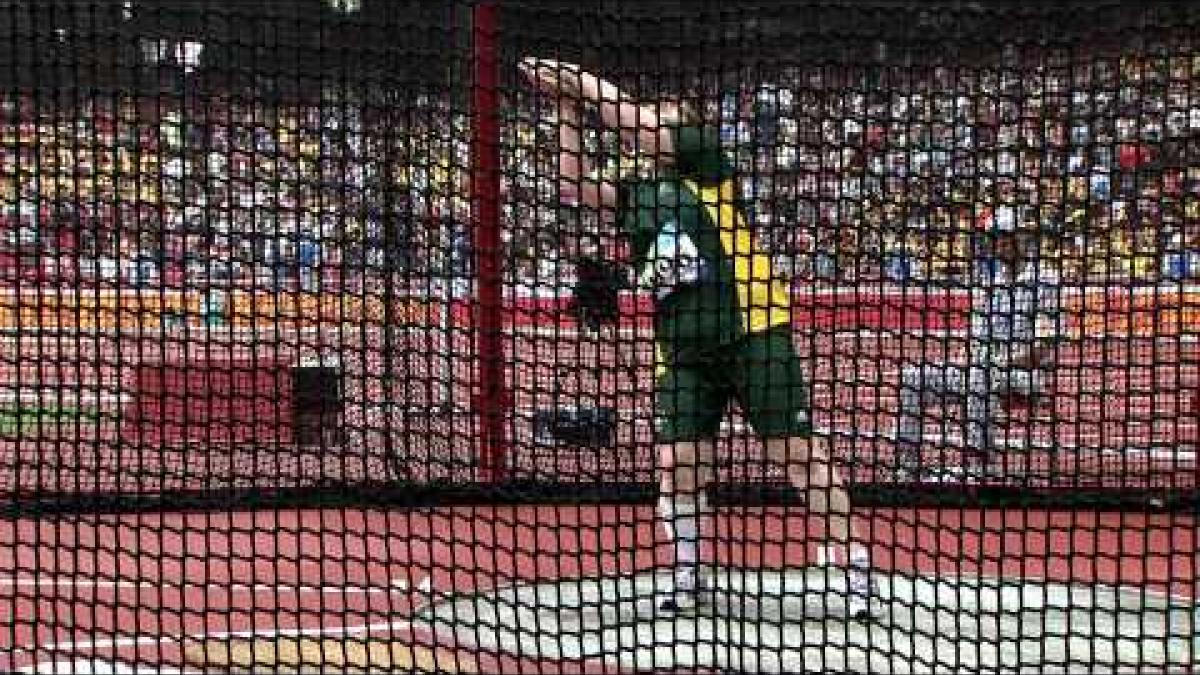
[[1014, 319], [722, 318]]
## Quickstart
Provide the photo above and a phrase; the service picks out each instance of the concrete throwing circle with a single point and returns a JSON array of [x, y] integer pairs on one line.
[[794, 621]]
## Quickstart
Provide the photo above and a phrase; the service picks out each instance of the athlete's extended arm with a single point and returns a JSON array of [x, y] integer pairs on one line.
[[578, 183], [642, 127]]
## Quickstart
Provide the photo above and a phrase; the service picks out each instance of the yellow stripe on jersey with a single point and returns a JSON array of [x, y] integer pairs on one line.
[[763, 296]]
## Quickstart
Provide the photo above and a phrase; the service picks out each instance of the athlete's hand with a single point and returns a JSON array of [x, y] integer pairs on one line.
[[529, 68], [551, 76], [596, 300], [539, 75]]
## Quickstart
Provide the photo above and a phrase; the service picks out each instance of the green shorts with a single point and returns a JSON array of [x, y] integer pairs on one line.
[[760, 372]]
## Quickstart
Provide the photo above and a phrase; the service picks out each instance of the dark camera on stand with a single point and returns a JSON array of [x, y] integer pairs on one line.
[[584, 426]]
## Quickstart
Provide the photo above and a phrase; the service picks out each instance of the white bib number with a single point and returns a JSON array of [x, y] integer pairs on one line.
[[672, 261]]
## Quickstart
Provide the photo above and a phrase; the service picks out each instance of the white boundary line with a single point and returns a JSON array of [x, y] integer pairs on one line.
[[424, 587], [118, 643], [35, 581]]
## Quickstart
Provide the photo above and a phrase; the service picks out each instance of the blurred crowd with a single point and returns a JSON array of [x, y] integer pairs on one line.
[[224, 193], [1101, 155], [891, 174], [849, 174]]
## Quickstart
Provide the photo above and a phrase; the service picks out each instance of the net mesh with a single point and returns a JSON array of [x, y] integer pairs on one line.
[[317, 269], [193, 207]]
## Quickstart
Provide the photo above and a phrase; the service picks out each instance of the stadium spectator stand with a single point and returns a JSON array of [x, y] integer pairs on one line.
[[846, 184]]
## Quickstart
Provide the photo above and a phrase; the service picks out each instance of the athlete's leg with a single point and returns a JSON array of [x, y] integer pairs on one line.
[[810, 470], [770, 383], [689, 404], [577, 184], [809, 466], [686, 468]]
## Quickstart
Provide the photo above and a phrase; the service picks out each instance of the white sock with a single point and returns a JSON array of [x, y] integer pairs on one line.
[[826, 555], [681, 517], [860, 556]]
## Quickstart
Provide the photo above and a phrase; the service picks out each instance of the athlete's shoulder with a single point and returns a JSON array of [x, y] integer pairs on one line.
[[699, 153]]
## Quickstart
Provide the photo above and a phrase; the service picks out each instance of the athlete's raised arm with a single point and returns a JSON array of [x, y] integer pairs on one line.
[[645, 128]]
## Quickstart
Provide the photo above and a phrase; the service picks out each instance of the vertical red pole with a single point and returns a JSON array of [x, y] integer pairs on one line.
[[492, 397]]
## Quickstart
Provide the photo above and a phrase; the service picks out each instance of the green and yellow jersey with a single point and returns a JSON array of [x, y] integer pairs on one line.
[[695, 251]]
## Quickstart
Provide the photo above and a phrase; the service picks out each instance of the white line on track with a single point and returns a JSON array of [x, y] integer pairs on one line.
[[425, 586], [118, 643], [119, 584], [99, 667]]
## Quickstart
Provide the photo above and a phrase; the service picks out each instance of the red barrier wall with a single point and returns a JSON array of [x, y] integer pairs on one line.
[[844, 309], [1162, 311], [211, 401]]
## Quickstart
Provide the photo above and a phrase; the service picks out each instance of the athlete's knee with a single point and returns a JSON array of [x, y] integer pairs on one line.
[[683, 465], [788, 450], [821, 471], [803, 458]]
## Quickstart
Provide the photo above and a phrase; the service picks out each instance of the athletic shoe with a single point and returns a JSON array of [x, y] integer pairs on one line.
[[690, 588], [861, 592]]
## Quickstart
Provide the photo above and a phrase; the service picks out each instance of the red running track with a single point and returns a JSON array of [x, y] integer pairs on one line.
[[132, 588]]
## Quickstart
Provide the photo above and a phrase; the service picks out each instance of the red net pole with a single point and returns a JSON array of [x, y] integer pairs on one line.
[[491, 395]]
